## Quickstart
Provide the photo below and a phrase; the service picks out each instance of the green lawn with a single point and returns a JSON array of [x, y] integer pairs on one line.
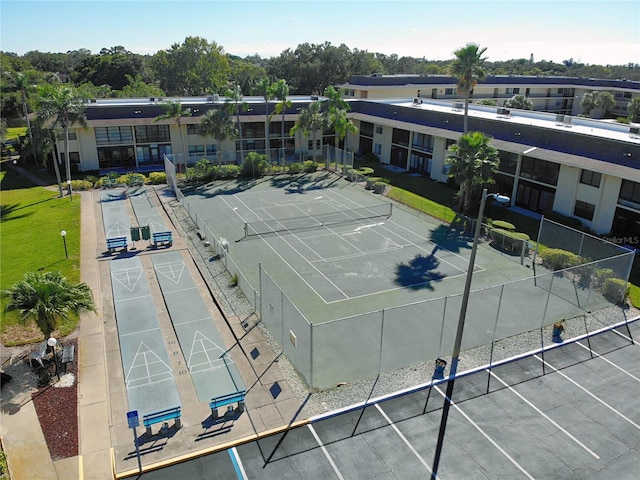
[[31, 221]]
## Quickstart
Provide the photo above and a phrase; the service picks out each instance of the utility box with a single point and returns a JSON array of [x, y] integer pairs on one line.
[[146, 232], [135, 234]]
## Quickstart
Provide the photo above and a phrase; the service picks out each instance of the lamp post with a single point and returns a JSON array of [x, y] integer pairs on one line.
[[52, 342], [63, 234], [69, 190], [458, 340]]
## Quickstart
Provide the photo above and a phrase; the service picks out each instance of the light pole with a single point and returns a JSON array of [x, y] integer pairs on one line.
[[52, 342], [63, 234], [69, 190], [458, 341]]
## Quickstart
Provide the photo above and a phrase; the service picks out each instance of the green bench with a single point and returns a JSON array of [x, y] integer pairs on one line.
[[108, 182], [136, 180]]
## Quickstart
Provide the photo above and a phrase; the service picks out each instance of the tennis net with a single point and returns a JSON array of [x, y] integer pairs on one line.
[[343, 217]]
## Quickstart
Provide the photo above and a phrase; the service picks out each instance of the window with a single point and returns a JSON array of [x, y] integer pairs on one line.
[[366, 129], [113, 135], [516, 91], [196, 149], [508, 162], [310, 145], [152, 133], [422, 141], [448, 91], [540, 170], [584, 210], [590, 178], [379, 129], [377, 149], [72, 136], [400, 137], [630, 191], [507, 91], [193, 129]]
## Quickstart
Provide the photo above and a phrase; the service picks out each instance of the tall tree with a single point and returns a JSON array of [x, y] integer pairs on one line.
[[633, 109], [266, 90], [281, 93], [309, 122], [519, 101], [468, 68], [174, 111], [47, 298], [219, 125], [65, 107], [472, 161], [235, 105], [336, 108], [22, 82]]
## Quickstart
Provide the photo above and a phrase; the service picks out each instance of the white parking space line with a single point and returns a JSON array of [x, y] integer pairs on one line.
[[326, 453], [404, 439], [602, 402], [609, 362], [485, 435], [544, 415]]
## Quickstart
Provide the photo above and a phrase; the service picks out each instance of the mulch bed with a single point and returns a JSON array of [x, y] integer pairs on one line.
[[57, 409]]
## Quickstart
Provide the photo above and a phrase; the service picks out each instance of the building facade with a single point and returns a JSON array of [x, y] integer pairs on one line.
[[583, 168]]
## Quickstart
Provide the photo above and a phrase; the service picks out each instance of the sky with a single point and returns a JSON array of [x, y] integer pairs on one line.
[[600, 32]]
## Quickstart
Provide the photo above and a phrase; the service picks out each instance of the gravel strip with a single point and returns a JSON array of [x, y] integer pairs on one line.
[[233, 303]]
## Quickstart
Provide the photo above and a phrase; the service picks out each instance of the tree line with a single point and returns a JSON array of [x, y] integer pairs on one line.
[[200, 67]]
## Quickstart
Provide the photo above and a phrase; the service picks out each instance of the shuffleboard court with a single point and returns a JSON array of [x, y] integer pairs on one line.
[[149, 380], [114, 213], [212, 370], [146, 212]]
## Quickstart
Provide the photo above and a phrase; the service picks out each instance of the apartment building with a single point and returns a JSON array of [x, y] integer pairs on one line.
[[580, 167]]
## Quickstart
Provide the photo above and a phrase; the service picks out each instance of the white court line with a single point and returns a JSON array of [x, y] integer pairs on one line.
[[589, 393], [191, 321], [132, 298], [609, 362], [237, 463], [404, 439], [485, 435], [625, 337], [544, 415], [138, 332], [326, 453]]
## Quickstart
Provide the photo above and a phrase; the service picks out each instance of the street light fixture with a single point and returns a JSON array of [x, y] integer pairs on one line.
[[52, 342], [455, 356], [69, 189], [63, 234]]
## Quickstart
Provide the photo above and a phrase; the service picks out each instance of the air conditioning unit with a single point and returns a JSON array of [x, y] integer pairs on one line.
[[634, 132], [314, 97], [376, 75]]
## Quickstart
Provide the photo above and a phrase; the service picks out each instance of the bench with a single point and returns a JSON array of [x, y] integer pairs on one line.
[[162, 237], [162, 417], [68, 353], [117, 242], [224, 400], [39, 354]]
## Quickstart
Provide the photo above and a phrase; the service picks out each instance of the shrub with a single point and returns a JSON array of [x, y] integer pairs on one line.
[[379, 187], [310, 166], [507, 239], [366, 171], [296, 167], [615, 289], [92, 179], [503, 225], [229, 172], [157, 178], [81, 185], [371, 181], [556, 259], [255, 165], [601, 275]]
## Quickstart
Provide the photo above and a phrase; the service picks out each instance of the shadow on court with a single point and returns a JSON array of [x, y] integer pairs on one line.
[[419, 273], [450, 238]]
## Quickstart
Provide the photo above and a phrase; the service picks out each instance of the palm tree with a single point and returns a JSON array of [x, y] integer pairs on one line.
[[22, 82], [266, 89], [174, 111], [468, 68], [336, 109], [310, 120], [633, 109], [47, 298], [65, 107], [219, 125], [281, 92], [519, 101], [235, 105], [472, 162]]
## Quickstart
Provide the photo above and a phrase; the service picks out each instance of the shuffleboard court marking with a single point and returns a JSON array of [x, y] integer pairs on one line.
[[486, 435], [206, 355], [128, 277], [116, 229], [543, 415], [143, 359], [596, 398], [171, 270]]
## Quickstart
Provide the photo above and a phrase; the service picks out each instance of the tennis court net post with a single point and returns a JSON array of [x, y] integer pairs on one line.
[[342, 217]]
